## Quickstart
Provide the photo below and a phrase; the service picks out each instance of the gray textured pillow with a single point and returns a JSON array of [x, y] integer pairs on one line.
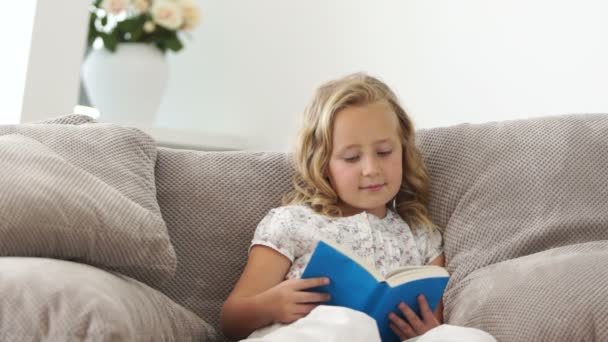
[[555, 295], [507, 189], [504, 190], [86, 193], [56, 300]]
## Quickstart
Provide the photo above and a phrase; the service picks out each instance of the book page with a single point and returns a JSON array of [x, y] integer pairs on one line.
[[408, 273], [402, 269]]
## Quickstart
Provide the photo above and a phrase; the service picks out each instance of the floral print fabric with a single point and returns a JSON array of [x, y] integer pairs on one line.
[[388, 242]]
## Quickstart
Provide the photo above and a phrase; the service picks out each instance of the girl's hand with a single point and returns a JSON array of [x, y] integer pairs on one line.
[[287, 301], [414, 326]]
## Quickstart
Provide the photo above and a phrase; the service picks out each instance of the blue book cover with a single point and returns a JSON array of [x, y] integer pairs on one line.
[[355, 283]]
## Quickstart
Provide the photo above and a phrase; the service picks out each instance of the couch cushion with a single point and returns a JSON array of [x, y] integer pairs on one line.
[[555, 295], [212, 202], [83, 192], [503, 190], [56, 300], [506, 189]]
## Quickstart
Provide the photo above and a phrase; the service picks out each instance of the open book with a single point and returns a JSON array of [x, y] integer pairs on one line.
[[355, 283]]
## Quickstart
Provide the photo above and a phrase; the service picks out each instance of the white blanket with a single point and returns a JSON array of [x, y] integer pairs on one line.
[[334, 324]]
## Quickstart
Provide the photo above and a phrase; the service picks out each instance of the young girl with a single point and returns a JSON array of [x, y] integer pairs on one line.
[[356, 162]]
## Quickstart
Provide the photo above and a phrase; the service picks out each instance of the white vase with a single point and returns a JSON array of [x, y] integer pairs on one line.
[[126, 86]]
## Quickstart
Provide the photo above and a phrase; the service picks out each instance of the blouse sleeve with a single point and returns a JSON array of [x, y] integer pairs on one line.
[[277, 231], [430, 243]]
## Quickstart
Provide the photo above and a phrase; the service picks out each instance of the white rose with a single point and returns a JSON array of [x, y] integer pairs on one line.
[[141, 5], [192, 14], [149, 26], [115, 6], [167, 14]]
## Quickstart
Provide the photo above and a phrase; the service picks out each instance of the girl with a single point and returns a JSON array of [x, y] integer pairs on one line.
[[356, 161]]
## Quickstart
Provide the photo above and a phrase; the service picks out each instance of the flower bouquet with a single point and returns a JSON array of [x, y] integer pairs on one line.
[[157, 22]]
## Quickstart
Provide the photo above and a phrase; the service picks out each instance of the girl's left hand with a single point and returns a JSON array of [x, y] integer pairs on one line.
[[413, 325]]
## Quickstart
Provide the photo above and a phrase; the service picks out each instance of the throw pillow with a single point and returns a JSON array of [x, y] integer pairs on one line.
[[555, 295], [85, 193], [56, 300], [503, 190]]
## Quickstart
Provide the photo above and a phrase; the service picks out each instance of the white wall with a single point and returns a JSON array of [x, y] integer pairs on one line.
[[57, 48], [253, 65], [476, 61], [17, 27]]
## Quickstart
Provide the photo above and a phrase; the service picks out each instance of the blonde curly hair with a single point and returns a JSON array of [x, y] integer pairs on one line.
[[314, 148]]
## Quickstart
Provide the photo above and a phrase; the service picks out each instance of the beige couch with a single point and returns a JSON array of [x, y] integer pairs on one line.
[[523, 205]]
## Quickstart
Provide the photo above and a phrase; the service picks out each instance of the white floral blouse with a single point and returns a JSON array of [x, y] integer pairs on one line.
[[388, 242]]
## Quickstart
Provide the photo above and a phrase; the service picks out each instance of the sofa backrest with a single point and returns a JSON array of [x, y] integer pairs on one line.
[[499, 190], [212, 203]]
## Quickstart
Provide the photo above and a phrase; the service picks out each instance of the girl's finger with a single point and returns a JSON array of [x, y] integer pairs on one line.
[[303, 284], [425, 310], [311, 297], [405, 330], [398, 332], [413, 319]]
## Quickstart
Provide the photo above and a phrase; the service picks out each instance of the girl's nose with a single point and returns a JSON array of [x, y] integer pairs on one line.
[[370, 166]]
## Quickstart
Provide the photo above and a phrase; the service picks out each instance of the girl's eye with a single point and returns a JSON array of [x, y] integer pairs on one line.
[[385, 153], [351, 159]]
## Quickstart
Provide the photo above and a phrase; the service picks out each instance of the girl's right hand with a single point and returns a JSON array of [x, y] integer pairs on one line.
[[288, 301], [262, 296]]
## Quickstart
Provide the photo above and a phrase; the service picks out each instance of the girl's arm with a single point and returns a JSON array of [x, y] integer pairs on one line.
[[262, 296], [439, 261]]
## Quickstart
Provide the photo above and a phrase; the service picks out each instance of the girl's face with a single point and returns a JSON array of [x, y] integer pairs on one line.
[[365, 167]]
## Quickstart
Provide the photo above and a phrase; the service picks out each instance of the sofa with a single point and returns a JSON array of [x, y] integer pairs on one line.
[[106, 237]]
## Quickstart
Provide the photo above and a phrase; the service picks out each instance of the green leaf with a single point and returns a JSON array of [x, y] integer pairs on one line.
[[161, 47], [110, 41], [92, 30], [128, 25], [174, 44], [91, 38], [137, 34]]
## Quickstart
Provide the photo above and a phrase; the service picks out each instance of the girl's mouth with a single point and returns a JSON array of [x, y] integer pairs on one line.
[[373, 187]]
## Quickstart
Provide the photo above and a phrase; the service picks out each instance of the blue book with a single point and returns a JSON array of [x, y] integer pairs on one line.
[[355, 283]]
